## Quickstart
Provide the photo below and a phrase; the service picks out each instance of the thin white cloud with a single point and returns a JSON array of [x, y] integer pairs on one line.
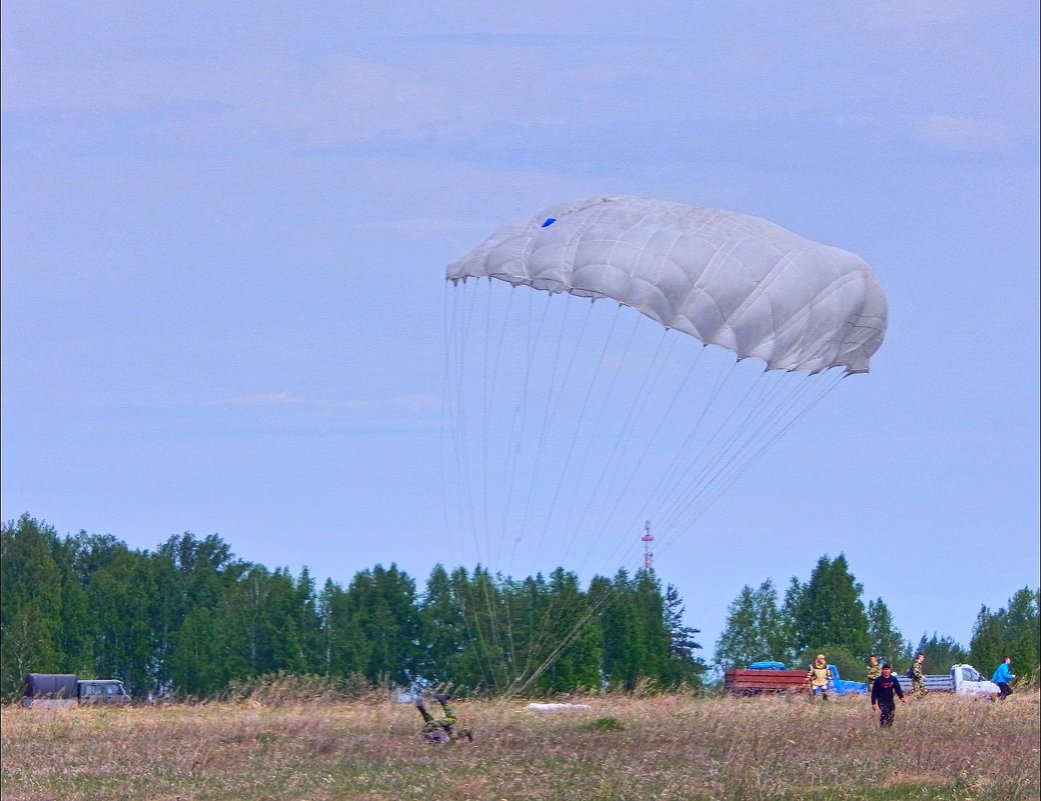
[[417, 404], [899, 13], [952, 132], [277, 399]]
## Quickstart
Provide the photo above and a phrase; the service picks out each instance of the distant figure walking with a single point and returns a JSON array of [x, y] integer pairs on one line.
[[442, 729], [882, 691], [917, 675], [1003, 677], [819, 675], [874, 670]]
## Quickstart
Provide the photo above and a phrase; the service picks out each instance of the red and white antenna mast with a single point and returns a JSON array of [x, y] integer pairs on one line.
[[647, 539]]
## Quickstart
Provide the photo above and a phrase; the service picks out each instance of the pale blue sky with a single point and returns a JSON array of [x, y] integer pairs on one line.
[[225, 229]]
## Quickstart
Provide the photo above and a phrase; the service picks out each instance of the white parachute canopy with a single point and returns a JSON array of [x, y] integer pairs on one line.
[[725, 278], [574, 422]]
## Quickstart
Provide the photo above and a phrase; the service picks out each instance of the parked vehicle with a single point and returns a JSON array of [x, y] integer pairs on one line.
[[962, 679], [65, 689], [774, 677]]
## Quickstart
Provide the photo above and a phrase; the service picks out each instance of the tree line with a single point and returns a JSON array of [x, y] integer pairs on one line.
[[827, 614], [190, 620]]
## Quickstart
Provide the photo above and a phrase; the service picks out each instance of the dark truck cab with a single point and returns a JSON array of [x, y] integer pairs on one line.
[[65, 689]]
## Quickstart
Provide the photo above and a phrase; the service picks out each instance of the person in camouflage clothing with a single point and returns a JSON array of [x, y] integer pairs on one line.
[[917, 675], [819, 675], [874, 670], [442, 729]]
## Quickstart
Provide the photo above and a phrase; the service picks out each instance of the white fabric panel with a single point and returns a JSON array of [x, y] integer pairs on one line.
[[725, 278]]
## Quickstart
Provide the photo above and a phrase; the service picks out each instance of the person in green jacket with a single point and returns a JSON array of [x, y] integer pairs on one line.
[[874, 670], [917, 675], [440, 729]]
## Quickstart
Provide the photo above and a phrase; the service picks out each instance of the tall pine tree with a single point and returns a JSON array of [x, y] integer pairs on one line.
[[827, 611]]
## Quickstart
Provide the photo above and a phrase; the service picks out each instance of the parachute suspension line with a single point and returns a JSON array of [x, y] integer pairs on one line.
[[500, 626], [532, 340], [539, 630], [581, 430], [729, 433], [682, 465], [517, 427], [734, 432], [457, 407], [608, 479], [493, 638], [787, 421], [585, 429], [524, 682], [652, 441], [668, 502], [555, 391], [462, 322], [610, 482], [784, 413], [488, 377], [778, 418], [472, 624], [526, 486], [553, 413]]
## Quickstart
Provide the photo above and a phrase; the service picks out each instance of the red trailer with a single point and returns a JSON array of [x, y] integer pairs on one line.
[[753, 682]]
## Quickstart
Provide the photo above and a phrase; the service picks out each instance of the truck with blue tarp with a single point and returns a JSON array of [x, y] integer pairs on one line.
[[775, 677]]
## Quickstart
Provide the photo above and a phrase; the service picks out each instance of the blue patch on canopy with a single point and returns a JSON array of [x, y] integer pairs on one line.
[[549, 221]]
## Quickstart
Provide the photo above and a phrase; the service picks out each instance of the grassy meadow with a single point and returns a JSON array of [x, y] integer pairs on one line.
[[622, 748]]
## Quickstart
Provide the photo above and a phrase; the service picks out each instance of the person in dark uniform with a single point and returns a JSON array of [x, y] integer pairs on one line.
[[882, 691]]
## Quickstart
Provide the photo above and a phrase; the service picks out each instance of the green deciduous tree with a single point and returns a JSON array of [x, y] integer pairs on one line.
[[754, 629], [122, 591], [1014, 631], [886, 641], [198, 667], [191, 619], [345, 649], [44, 622]]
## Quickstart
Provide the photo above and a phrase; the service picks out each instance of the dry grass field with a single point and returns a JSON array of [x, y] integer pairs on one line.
[[621, 748]]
